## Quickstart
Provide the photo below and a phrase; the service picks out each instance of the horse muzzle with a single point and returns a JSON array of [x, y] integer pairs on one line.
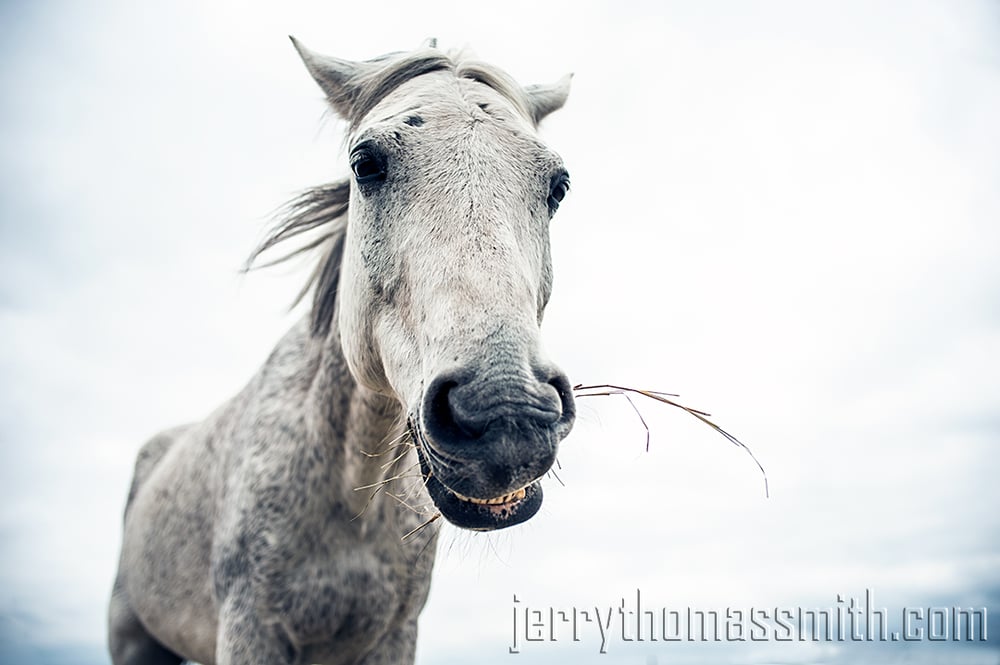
[[485, 439]]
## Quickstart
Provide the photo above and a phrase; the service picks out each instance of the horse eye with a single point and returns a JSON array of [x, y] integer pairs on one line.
[[368, 167], [558, 191]]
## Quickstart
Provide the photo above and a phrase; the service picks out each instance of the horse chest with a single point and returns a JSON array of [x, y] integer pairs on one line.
[[345, 593]]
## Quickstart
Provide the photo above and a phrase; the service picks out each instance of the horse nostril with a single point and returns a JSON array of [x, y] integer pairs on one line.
[[444, 416], [561, 383]]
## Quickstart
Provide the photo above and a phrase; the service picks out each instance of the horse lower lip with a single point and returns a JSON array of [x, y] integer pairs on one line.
[[466, 512]]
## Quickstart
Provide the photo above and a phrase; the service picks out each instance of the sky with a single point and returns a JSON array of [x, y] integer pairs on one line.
[[786, 212]]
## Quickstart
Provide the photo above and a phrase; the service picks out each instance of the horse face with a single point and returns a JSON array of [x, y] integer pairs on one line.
[[445, 276]]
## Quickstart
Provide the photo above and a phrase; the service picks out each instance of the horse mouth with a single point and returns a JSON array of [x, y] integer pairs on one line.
[[477, 513]]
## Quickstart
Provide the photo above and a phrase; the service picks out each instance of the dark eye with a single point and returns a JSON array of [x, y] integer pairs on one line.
[[558, 190], [368, 165]]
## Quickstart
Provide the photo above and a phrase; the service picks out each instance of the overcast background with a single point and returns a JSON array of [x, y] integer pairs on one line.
[[787, 212]]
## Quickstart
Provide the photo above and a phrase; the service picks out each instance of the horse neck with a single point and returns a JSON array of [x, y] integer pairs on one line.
[[362, 431]]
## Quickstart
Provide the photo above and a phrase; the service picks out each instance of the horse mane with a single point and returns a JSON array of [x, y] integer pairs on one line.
[[323, 209]]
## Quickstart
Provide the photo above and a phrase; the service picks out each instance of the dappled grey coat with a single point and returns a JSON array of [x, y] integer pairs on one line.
[[286, 527]]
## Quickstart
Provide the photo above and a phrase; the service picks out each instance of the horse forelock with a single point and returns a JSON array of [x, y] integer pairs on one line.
[[320, 213], [375, 85]]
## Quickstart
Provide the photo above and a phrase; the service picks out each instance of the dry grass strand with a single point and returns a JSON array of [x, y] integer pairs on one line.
[[604, 389]]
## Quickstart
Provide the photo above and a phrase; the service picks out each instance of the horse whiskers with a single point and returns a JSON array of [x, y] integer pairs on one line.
[[405, 474], [372, 455], [409, 490], [404, 436], [401, 444], [431, 520], [395, 459], [555, 475], [391, 444], [371, 498], [383, 453], [427, 544], [419, 510], [493, 548], [382, 484], [610, 389]]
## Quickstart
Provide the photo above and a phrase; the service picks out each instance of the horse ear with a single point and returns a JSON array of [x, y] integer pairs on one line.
[[336, 77], [546, 98]]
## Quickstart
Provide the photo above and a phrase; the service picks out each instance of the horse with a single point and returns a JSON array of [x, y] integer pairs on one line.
[[286, 527]]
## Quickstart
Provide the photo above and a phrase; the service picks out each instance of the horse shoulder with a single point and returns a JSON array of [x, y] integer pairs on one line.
[[150, 455]]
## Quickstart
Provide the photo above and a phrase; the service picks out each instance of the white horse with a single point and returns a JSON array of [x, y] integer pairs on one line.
[[418, 373]]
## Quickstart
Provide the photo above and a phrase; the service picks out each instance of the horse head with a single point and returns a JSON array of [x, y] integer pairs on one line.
[[445, 270]]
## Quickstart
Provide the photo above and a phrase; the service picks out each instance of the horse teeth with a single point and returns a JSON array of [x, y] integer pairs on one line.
[[516, 495]]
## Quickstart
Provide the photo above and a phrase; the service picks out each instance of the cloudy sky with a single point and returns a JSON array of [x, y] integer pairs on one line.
[[787, 212]]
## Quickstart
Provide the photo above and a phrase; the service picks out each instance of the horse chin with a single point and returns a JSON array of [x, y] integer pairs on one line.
[[480, 514]]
